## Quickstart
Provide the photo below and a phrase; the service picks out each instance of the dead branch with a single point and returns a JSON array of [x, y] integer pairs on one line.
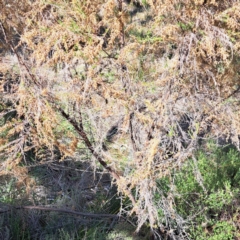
[[61, 210]]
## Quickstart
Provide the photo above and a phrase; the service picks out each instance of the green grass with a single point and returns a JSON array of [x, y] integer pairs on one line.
[[206, 190]]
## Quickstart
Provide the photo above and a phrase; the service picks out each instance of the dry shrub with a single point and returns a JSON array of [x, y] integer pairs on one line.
[[165, 88]]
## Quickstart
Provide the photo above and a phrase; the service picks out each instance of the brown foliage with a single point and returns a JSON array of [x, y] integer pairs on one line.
[[165, 73]]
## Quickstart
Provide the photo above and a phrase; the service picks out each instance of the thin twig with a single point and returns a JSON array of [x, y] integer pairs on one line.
[[61, 210]]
